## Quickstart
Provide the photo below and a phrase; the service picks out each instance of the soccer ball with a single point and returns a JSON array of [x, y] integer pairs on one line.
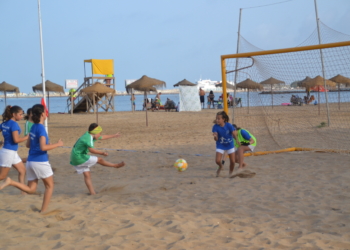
[[180, 165]]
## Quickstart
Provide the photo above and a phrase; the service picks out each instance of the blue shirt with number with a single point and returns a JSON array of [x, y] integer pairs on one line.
[[225, 139], [35, 153], [7, 128]]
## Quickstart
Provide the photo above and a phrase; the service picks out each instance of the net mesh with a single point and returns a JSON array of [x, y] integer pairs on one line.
[[320, 119]]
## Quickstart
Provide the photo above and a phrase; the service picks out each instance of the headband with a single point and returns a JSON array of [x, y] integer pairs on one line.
[[96, 130]]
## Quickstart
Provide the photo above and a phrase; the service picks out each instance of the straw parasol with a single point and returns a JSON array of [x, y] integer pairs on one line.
[[340, 79], [49, 87], [184, 82], [249, 84], [145, 84], [317, 81], [6, 87], [95, 89], [229, 86], [271, 81]]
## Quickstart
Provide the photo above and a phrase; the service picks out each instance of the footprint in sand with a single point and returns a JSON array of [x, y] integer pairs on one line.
[[244, 174]]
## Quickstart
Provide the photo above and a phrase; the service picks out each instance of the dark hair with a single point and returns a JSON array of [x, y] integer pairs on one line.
[[9, 111], [37, 111], [235, 126], [92, 126], [29, 111], [224, 116]]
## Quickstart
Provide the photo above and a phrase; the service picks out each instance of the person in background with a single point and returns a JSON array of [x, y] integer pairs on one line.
[[108, 81], [211, 98], [29, 121], [132, 99], [201, 97]]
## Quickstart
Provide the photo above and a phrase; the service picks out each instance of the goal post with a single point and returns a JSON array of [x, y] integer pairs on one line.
[[268, 52], [292, 111]]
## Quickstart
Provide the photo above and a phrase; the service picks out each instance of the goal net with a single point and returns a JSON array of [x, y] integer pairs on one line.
[[304, 100]]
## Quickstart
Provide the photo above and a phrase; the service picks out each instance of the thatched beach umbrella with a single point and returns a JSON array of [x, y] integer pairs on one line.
[[6, 87], [339, 79], [95, 89], [184, 82], [249, 84], [228, 86], [271, 81], [49, 87], [301, 83], [145, 84]]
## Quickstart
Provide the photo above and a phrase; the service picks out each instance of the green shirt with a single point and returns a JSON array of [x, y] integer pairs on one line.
[[80, 150], [27, 127], [242, 139]]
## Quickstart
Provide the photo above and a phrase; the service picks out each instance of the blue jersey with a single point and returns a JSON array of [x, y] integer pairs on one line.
[[7, 128], [225, 139], [35, 153]]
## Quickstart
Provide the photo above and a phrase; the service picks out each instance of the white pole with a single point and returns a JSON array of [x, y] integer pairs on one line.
[[237, 51], [323, 71], [42, 60]]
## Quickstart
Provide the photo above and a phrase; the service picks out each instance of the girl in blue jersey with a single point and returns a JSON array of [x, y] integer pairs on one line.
[[38, 166], [11, 133], [224, 135]]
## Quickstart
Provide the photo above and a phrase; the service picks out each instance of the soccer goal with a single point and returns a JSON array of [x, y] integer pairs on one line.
[[295, 97]]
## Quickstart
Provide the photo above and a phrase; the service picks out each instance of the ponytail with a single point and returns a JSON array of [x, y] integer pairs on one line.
[[9, 111], [37, 111], [235, 126]]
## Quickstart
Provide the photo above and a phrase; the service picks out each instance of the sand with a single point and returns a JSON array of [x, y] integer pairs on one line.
[[296, 200]]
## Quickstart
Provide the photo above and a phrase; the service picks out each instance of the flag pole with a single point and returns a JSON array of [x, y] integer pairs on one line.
[[42, 61]]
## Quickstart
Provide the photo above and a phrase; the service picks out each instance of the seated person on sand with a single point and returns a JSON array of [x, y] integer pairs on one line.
[[247, 142], [312, 98], [238, 101], [169, 104], [220, 102], [154, 104], [145, 104]]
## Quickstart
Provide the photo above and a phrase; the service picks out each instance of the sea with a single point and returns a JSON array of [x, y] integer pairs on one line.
[[123, 103]]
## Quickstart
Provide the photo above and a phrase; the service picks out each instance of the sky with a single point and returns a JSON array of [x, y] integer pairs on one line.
[[166, 40]]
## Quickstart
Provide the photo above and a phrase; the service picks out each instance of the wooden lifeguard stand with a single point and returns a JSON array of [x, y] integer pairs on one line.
[[82, 102]]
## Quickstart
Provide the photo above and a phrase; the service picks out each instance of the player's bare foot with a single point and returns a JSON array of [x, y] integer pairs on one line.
[[244, 165], [5, 183], [218, 171], [119, 165]]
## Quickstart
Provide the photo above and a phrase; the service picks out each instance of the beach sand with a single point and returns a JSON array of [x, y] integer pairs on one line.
[[296, 200]]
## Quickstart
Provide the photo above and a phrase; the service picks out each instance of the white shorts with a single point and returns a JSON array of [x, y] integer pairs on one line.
[[8, 158], [38, 170], [250, 147], [85, 167], [229, 151]]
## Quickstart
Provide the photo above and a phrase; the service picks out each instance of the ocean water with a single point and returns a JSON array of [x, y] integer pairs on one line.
[[123, 103]]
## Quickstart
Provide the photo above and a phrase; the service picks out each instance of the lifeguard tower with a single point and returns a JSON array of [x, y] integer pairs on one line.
[[83, 102]]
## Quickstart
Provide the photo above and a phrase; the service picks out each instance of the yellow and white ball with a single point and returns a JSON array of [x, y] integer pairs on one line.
[[180, 165]]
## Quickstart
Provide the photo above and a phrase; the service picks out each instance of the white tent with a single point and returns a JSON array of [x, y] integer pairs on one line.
[[189, 98]]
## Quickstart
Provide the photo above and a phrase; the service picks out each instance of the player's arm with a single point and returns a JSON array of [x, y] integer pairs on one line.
[[234, 134], [215, 134], [17, 138], [105, 137], [97, 152], [47, 147]]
